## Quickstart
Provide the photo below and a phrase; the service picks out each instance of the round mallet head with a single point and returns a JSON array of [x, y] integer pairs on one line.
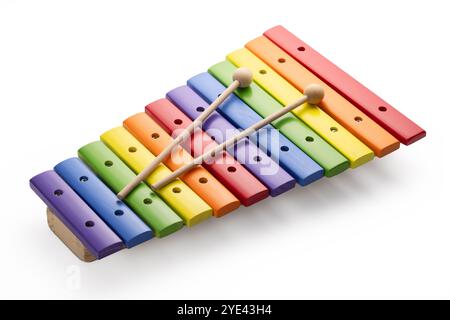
[[314, 93], [244, 76]]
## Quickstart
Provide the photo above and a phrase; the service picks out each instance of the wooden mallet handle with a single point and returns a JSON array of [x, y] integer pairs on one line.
[[313, 94], [242, 78]]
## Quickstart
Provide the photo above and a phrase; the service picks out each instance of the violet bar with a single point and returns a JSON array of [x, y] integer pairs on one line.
[[78, 217]]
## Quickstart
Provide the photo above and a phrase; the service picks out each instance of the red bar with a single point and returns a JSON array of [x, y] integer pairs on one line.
[[405, 130], [228, 171]]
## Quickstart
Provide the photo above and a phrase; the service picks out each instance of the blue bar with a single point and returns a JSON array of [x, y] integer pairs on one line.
[[292, 159], [118, 216]]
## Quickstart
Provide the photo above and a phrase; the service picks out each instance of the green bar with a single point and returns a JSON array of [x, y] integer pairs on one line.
[[114, 173], [293, 128]]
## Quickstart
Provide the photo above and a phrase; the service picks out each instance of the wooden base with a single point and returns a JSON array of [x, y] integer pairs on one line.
[[68, 238]]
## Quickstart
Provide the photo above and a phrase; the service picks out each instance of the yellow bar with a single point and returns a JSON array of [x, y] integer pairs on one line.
[[329, 129], [190, 207]]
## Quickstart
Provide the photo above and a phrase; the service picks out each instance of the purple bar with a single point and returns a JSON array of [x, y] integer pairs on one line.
[[95, 235], [255, 160]]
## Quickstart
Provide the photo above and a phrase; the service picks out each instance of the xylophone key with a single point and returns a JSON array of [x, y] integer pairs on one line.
[[76, 215], [114, 173], [293, 128], [119, 217], [155, 139], [379, 110], [254, 160], [330, 130], [354, 120], [232, 174], [191, 208], [269, 139]]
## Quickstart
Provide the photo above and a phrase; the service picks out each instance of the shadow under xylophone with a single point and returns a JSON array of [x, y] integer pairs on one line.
[[346, 129]]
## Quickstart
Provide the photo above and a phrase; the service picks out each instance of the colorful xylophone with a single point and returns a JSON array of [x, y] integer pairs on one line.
[[346, 129]]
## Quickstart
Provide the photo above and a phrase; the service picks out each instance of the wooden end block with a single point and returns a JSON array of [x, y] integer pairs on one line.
[[68, 238]]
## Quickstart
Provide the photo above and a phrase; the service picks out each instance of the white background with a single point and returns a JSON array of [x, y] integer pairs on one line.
[[72, 70]]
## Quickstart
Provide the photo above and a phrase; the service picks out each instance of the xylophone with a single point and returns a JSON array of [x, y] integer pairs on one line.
[[110, 198]]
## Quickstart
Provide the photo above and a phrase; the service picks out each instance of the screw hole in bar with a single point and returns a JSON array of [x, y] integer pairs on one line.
[[118, 213], [83, 179], [178, 121], [58, 192], [382, 109], [148, 201], [108, 163], [262, 71], [132, 149], [155, 135], [282, 60], [333, 129], [257, 158], [231, 169], [203, 180], [301, 48], [176, 190], [284, 148], [309, 139], [358, 119], [89, 224], [200, 109]]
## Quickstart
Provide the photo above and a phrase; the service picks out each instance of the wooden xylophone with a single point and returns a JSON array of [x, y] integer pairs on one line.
[[346, 129]]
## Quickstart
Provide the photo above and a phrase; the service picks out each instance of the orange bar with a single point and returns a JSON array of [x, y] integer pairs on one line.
[[155, 139], [364, 128]]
